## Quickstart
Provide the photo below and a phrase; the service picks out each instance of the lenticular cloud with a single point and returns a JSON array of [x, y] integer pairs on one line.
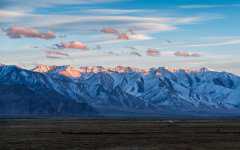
[[72, 45], [20, 32]]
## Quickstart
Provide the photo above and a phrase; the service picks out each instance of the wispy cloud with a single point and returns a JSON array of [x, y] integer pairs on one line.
[[152, 26], [226, 42], [53, 57], [127, 35], [186, 54], [134, 53], [156, 24], [7, 14], [156, 52], [56, 53], [205, 42], [116, 11], [139, 37], [201, 6], [29, 4]]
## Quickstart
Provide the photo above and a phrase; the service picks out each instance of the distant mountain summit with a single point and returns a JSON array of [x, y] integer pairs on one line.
[[66, 90]]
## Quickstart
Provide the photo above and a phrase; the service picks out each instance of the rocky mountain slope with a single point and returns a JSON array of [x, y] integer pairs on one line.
[[85, 90]]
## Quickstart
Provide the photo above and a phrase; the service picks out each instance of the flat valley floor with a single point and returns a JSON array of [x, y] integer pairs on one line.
[[107, 134]]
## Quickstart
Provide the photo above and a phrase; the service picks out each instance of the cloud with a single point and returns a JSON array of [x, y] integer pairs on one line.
[[147, 26], [152, 52], [129, 35], [97, 47], [72, 45], [7, 14], [116, 11], [53, 57], [55, 53], [110, 30], [116, 32], [19, 32], [216, 43], [2, 31], [208, 6], [144, 26], [140, 23], [186, 54], [135, 54], [139, 37], [209, 42], [205, 42], [117, 41], [131, 48], [29, 4], [123, 36]]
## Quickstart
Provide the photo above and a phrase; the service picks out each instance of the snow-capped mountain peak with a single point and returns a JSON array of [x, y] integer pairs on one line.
[[126, 88], [43, 68]]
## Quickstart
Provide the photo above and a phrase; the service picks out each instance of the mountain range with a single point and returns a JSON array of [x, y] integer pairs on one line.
[[118, 91]]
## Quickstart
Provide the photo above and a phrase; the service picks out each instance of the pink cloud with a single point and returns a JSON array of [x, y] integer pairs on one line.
[[152, 52], [110, 31], [19, 32], [128, 35], [72, 45], [131, 35], [123, 36], [186, 54]]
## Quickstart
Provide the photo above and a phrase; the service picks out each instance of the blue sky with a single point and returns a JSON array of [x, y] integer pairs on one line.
[[185, 33]]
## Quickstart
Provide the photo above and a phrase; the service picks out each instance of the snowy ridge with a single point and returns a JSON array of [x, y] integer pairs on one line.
[[133, 89], [76, 72]]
